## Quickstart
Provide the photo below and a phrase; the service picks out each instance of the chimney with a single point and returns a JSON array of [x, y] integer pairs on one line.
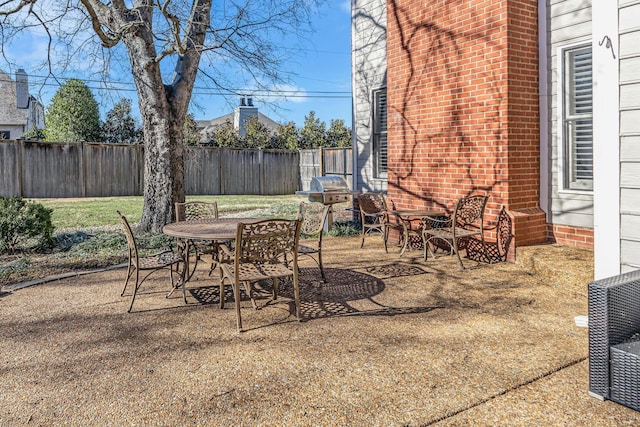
[[22, 89], [244, 112]]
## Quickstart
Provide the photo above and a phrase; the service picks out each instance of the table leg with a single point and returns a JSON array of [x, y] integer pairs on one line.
[[405, 237], [183, 248]]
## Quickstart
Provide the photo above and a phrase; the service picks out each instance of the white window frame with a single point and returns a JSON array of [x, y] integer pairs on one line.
[[379, 133], [566, 178]]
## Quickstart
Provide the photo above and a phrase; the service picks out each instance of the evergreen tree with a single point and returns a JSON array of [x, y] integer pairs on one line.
[[190, 134], [256, 134], [119, 126], [224, 135], [313, 133], [338, 134], [285, 137], [73, 114]]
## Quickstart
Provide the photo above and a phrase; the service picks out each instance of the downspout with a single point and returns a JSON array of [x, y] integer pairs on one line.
[[544, 98], [354, 139]]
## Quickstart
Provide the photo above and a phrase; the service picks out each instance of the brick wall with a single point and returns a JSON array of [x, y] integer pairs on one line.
[[569, 235], [463, 106]]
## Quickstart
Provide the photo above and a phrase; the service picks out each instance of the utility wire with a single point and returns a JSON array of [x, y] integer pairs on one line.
[[202, 90]]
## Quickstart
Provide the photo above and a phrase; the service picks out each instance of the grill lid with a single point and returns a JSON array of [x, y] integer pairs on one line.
[[323, 184]]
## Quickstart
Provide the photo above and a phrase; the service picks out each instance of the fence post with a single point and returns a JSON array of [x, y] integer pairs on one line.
[[83, 171], [261, 173], [223, 189], [19, 168], [344, 163]]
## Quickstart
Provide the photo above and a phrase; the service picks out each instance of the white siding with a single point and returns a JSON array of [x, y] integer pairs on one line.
[[569, 24], [629, 27], [369, 68]]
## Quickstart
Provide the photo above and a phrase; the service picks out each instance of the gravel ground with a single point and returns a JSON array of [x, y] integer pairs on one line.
[[387, 341]]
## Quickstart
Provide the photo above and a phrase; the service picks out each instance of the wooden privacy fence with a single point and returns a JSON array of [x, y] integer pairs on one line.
[[49, 170], [325, 161]]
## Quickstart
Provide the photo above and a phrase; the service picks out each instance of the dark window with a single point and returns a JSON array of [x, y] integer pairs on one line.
[[578, 118], [380, 133]]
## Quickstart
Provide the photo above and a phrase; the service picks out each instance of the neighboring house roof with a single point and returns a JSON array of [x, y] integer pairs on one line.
[[243, 111], [10, 114], [18, 109]]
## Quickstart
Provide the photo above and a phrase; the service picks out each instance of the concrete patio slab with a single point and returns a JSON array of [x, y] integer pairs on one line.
[[387, 341]]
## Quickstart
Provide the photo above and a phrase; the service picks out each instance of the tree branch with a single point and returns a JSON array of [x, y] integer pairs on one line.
[[98, 12], [17, 8]]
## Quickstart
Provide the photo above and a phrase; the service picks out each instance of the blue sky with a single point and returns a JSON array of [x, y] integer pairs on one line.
[[323, 66]]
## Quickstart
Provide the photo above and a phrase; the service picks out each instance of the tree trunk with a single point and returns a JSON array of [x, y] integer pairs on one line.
[[162, 120], [163, 168]]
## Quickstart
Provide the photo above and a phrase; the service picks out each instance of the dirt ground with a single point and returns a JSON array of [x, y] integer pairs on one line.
[[386, 341]]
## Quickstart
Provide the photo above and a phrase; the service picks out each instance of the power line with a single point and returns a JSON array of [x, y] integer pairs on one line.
[[203, 90]]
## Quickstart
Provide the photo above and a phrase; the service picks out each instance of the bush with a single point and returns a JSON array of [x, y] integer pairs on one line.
[[345, 228], [21, 222], [33, 134]]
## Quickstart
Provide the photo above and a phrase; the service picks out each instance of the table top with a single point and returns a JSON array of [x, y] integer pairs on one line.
[[418, 212], [208, 229]]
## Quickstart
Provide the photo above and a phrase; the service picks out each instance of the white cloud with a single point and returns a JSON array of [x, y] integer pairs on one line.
[[346, 6], [289, 93]]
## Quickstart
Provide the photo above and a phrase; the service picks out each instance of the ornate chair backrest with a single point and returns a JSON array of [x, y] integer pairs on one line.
[[131, 240], [190, 211], [469, 212], [268, 241], [313, 216], [372, 203], [504, 232]]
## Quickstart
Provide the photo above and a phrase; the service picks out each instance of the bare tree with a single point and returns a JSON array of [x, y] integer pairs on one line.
[[168, 43]]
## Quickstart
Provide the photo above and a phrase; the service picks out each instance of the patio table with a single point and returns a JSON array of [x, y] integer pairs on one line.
[[216, 230], [408, 218]]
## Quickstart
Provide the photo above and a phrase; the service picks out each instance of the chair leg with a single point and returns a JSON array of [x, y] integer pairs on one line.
[[236, 296], [385, 237], [276, 283], [296, 296], [425, 248], [221, 289], [126, 282], [455, 249], [135, 290], [249, 288], [324, 278]]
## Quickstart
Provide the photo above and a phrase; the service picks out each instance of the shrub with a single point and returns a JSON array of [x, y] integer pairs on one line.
[[33, 134], [22, 221], [345, 228]]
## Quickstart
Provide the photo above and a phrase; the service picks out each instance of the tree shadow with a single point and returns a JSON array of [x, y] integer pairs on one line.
[[447, 111], [331, 299]]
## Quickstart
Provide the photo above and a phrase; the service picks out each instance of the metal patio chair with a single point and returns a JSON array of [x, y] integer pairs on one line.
[[264, 250], [313, 216], [497, 250], [374, 216], [151, 263], [466, 221], [194, 211]]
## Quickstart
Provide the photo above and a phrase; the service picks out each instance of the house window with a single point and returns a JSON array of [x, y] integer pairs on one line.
[[380, 133], [577, 118], [5, 134]]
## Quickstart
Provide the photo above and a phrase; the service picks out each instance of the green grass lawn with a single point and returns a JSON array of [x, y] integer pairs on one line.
[[88, 232], [101, 211]]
